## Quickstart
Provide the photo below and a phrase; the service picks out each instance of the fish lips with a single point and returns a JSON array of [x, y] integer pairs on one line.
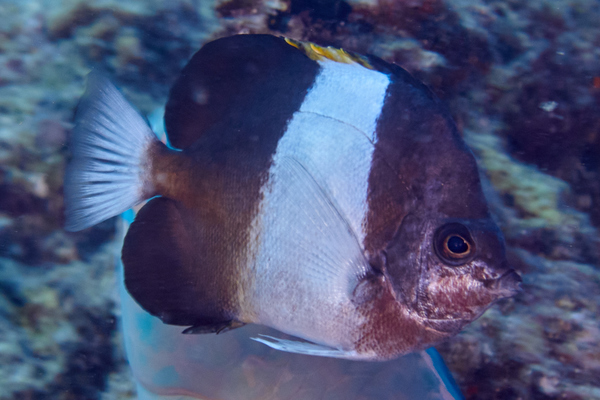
[[448, 327], [508, 284]]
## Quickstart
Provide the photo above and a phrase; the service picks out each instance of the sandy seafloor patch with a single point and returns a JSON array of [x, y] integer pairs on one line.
[[522, 80]]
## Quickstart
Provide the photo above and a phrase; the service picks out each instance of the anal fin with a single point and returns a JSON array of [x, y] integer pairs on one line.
[[166, 273]]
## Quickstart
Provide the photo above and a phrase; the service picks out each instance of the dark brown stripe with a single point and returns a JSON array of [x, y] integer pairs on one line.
[[227, 110], [235, 85], [421, 165]]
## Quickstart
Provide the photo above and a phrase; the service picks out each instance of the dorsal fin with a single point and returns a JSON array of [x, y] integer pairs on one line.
[[235, 84], [320, 53]]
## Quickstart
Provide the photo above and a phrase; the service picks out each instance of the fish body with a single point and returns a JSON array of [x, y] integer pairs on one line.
[[321, 193]]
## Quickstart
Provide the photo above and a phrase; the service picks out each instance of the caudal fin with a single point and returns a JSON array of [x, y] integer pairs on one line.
[[110, 168]]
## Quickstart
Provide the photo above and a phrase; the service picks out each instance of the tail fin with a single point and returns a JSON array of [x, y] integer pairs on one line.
[[110, 167]]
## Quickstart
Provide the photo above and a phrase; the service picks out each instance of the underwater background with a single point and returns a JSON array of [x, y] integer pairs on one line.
[[522, 80]]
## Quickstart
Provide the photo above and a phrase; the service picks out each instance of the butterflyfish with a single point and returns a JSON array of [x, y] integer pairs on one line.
[[322, 194]]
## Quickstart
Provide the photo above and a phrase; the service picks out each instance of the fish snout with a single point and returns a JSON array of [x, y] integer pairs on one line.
[[508, 284]]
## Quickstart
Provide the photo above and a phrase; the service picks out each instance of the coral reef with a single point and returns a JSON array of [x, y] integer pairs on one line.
[[520, 78]]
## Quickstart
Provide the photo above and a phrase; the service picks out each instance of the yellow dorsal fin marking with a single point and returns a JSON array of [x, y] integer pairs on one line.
[[319, 53]]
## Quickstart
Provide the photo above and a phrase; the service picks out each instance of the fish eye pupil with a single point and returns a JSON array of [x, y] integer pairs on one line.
[[457, 245]]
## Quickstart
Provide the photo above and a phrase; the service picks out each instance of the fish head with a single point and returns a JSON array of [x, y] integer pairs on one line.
[[449, 271]]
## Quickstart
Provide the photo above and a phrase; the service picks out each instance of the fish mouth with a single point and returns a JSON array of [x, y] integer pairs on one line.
[[508, 284], [447, 326]]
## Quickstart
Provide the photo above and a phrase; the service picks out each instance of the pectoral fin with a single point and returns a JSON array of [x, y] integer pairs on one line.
[[316, 231]]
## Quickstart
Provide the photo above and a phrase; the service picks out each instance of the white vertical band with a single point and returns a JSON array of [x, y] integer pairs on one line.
[[332, 136], [333, 133]]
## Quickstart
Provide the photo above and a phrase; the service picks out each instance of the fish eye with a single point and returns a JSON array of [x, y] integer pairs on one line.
[[453, 244], [456, 245]]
